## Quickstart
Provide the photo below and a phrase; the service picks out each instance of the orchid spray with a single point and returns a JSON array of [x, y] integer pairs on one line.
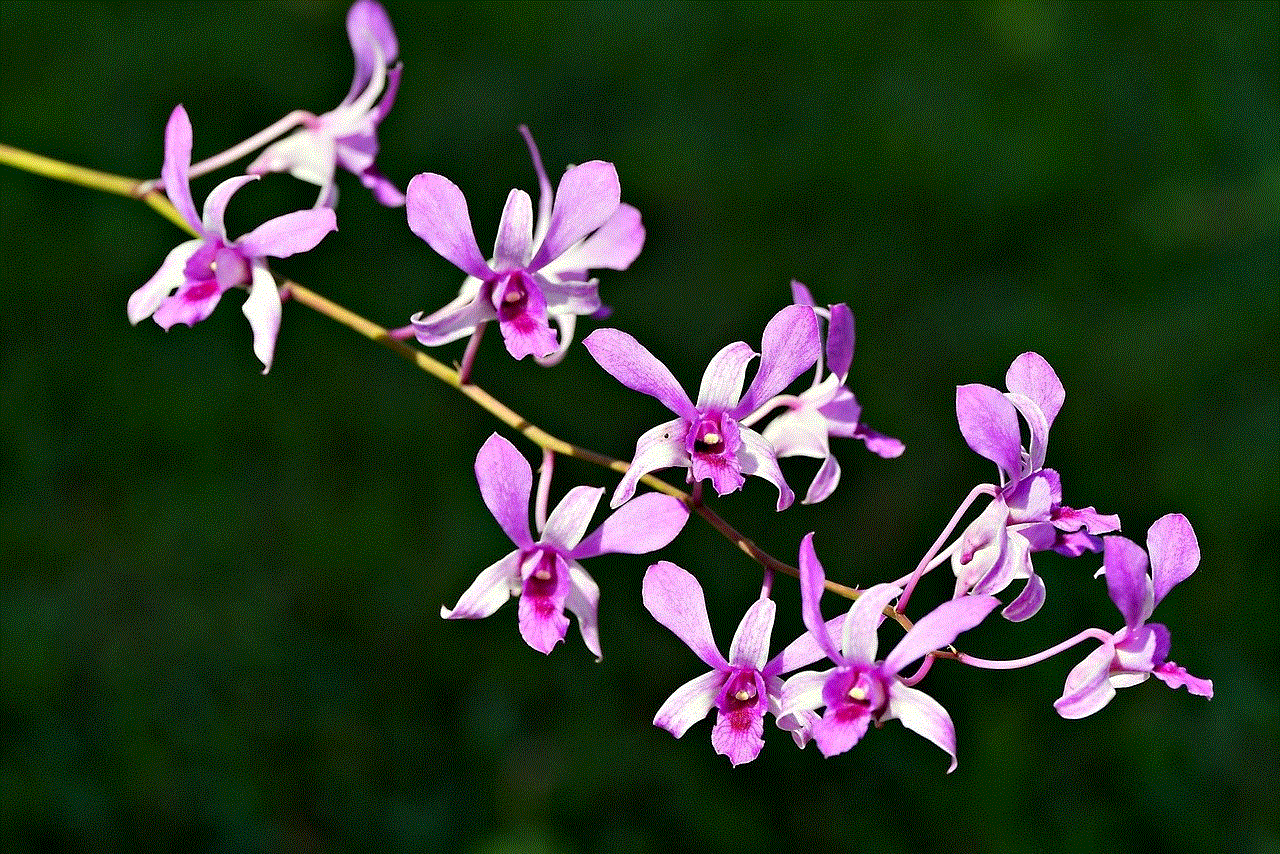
[[540, 271]]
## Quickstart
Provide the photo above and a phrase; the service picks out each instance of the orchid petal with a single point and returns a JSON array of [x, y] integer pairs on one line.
[[924, 716], [631, 364], [505, 479], [658, 448], [583, 601], [572, 298], [839, 731], [674, 598], [587, 195], [739, 734], [176, 171], [373, 41], [879, 444], [750, 646], [263, 310], [1175, 553], [438, 214], [1087, 688], [568, 522], [789, 347], [644, 524], [492, 587], [803, 651], [544, 187], [798, 432], [800, 294], [824, 482], [1031, 375], [215, 204], [542, 624], [1176, 676], [287, 235], [566, 324], [514, 243], [1028, 603], [989, 424], [456, 320], [840, 341], [689, 703], [812, 578], [145, 300], [756, 456], [614, 246], [527, 332], [722, 381], [938, 628], [1038, 425], [1125, 565], [858, 640]]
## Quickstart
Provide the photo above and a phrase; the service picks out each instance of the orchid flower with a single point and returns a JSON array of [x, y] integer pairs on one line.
[[347, 135], [546, 574], [196, 274], [827, 408], [539, 270], [859, 690], [1140, 649], [706, 436], [1026, 514], [741, 688]]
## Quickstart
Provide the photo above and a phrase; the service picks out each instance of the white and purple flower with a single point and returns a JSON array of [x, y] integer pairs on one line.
[[706, 436], [1140, 649], [347, 135], [741, 688], [825, 409], [196, 274], [546, 574], [859, 690], [1026, 514], [539, 271]]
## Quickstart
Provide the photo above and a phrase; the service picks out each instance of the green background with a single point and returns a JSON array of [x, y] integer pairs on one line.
[[219, 622]]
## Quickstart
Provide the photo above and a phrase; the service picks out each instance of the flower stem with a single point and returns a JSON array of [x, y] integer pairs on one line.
[[1027, 661], [981, 489]]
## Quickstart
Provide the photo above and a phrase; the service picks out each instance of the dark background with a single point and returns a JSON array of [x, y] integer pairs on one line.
[[219, 622]]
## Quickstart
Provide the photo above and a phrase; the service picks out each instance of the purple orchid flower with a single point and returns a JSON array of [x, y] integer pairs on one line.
[[546, 574], [827, 408], [1139, 650], [1026, 514], [196, 274], [860, 690], [741, 688], [347, 135], [707, 437], [539, 271]]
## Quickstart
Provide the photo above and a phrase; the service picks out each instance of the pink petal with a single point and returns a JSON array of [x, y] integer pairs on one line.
[[859, 640], [689, 704], [750, 646], [373, 41], [790, 347], [146, 299], [803, 693], [939, 628], [1031, 375], [1125, 565], [438, 214], [1087, 688], [215, 204], [644, 524], [263, 310], [568, 522], [756, 457], [287, 235], [840, 341], [583, 601], [1177, 677], [839, 731], [542, 622], [1039, 428], [798, 432], [505, 480], [722, 380], [674, 598], [492, 587], [588, 194], [636, 368], [989, 424], [514, 243], [456, 320], [739, 735], [614, 246], [1175, 553], [824, 482], [1028, 603], [175, 173], [804, 650], [812, 578], [924, 716], [658, 448], [544, 187]]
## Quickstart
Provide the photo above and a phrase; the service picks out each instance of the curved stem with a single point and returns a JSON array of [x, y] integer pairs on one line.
[[1026, 661]]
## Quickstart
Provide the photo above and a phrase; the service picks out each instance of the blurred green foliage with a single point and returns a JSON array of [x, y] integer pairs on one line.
[[219, 619]]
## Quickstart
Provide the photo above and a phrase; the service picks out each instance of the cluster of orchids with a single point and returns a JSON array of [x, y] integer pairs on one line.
[[829, 684]]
